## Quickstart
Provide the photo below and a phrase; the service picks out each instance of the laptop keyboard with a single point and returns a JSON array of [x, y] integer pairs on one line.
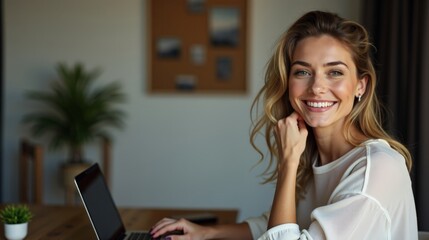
[[139, 236], [147, 236]]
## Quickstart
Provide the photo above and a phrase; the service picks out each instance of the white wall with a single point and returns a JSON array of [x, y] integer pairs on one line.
[[176, 151]]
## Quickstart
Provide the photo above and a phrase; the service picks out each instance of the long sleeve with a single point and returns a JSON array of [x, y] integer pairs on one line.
[[258, 225], [354, 217], [371, 198]]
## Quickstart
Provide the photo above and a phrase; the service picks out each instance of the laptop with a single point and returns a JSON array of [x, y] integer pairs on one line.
[[100, 207]]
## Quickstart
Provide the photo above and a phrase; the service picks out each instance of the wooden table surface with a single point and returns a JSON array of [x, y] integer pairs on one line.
[[71, 222]]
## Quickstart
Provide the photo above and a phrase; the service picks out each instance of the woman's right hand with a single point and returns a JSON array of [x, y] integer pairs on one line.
[[190, 230], [291, 136]]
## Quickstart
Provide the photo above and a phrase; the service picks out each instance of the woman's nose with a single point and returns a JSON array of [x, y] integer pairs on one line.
[[318, 85]]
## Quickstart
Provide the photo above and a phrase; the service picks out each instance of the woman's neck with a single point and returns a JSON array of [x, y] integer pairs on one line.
[[331, 145]]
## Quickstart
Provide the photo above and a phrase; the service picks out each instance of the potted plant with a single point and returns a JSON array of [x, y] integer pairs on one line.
[[76, 113], [15, 219]]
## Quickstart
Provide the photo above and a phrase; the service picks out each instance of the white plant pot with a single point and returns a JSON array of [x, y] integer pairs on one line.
[[15, 231]]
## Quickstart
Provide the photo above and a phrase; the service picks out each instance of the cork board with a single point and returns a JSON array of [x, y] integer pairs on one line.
[[197, 46]]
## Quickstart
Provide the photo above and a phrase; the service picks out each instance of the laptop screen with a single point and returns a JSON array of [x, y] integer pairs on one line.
[[99, 203]]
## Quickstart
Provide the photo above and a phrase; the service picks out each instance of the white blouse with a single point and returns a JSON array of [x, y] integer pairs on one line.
[[365, 194]]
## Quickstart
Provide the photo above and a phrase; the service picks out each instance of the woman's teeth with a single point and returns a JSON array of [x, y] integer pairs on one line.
[[320, 104]]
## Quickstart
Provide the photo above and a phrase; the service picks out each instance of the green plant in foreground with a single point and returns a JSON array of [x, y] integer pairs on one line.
[[15, 214]]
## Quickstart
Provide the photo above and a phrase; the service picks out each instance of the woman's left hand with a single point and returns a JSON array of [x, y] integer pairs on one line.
[[190, 230]]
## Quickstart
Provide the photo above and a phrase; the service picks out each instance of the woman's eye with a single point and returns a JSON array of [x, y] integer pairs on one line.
[[302, 73], [335, 73]]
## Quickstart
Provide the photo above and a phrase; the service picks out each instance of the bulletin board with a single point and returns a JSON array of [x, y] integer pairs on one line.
[[197, 46]]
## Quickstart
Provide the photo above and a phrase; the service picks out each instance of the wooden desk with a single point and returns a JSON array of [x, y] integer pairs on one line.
[[71, 222]]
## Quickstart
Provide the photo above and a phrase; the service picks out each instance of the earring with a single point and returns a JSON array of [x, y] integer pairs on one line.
[[359, 97]]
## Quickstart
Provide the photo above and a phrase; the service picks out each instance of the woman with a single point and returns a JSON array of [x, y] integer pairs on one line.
[[339, 175]]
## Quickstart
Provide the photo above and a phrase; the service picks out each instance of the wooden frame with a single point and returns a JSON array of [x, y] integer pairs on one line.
[[197, 46], [31, 172]]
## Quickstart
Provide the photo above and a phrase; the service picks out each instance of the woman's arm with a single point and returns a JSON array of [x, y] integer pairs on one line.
[[291, 139], [284, 208]]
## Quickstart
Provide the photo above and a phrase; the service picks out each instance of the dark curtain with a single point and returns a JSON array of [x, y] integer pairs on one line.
[[1, 100], [399, 30]]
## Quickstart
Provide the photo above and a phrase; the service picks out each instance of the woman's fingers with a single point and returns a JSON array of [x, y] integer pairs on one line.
[[178, 229], [291, 134], [164, 226], [163, 222]]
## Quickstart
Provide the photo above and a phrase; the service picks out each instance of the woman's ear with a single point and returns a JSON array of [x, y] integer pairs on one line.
[[361, 86]]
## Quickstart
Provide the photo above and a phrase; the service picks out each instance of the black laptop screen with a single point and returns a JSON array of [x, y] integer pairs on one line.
[[99, 204]]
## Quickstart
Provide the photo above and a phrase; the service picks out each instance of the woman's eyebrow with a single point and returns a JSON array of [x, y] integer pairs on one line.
[[335, 63], [329, 64], [301, 63]]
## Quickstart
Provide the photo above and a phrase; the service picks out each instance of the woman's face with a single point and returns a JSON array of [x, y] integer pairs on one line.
[[323, 82]]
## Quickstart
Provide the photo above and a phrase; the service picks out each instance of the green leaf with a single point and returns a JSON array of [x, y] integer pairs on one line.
[[74, 111], [14, 214]]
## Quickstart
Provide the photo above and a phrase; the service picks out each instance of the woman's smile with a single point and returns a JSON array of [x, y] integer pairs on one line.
[[319, 105]]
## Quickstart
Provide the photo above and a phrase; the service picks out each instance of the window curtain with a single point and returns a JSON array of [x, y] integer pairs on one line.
[[400, 33], [1, 100]]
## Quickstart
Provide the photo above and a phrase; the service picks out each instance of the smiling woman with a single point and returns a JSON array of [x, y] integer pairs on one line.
[[338, 174], [329, 153]]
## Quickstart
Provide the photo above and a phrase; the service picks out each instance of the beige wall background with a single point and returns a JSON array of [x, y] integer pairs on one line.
[[176, 150]]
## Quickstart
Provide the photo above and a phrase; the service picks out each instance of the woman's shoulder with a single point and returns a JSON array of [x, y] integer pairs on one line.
[[373, 149], [387, 178], [380, 154], [375, 166]]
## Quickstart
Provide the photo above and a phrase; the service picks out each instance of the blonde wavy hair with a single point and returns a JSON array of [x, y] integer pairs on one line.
[[365, 115]]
